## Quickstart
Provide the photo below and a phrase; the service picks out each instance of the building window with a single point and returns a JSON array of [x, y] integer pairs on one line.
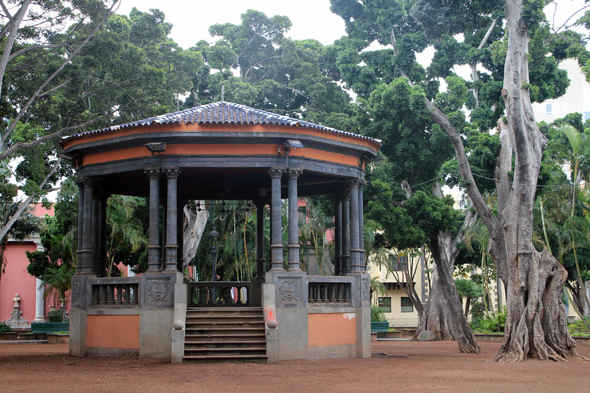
[[549, 109], [400, 263], [407, 305], [385, 304]]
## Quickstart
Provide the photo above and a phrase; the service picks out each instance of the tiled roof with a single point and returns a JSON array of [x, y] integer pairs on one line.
[[222, 113]]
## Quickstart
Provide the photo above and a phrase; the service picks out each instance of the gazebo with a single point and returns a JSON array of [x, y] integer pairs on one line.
[[220, 151]]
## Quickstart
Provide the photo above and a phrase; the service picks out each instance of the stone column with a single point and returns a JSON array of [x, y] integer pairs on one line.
[[260, 261], [345, 235], [39, 290], [80, 225], [293, 221], [276, 240], [180, 232], [87, 251], [154, 240], [362, 184], [171, 219], [338, 237], [102, 232], [355, 251], [96, 251]]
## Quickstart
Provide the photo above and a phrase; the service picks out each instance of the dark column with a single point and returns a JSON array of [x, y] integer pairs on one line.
[[87, 252], [355, 251], [260, 239], [102, 232], [276, 241], [345, 235], [293, 221], [80, 225], [154, 240], [338, 237], [180, 232], [171, 219], [362, 185], [95, 235]]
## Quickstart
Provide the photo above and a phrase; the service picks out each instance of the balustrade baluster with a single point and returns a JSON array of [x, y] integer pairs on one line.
[[119, 294], [135, 294], [110, 294], [102, 297], [127, 299]]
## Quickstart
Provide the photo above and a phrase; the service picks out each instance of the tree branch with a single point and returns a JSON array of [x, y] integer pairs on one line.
[[25, 202], [52, 76]]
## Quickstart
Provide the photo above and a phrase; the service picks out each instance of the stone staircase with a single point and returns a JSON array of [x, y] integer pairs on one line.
[[224, 334]]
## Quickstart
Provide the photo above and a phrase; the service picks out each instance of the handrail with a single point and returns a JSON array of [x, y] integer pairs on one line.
[[179, 316], [270, 316]]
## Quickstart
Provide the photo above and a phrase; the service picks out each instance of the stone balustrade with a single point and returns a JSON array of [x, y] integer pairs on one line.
[[117, 292], [329, 291], [219, 294]]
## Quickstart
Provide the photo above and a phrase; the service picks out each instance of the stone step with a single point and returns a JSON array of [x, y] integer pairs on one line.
[[225, 344], [226, 358], [238, 330], [224, 325], [224, 337], [224, 351]]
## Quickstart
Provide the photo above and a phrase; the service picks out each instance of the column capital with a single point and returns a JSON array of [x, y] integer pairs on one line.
[[276, 172], [86, 182], [362, 184], [353, 183], [153, 173], [294, 173], [171, 172]]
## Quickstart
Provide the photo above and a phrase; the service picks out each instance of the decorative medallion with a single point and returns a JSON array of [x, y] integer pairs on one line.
[[75, 292], [366, 291], [290, 291], [158, 292]]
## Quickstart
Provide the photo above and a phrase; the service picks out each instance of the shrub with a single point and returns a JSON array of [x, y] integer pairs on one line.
[[4, 328], [487, 325], [579, 328], [377, 314], [55, 316]]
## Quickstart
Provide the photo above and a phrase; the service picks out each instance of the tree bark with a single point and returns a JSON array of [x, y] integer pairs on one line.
[[536, 321], [193, 232]]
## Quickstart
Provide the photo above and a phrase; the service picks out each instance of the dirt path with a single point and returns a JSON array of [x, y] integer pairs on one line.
[[428, 367]]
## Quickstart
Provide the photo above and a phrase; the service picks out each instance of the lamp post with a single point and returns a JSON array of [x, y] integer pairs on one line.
[[214, 235]]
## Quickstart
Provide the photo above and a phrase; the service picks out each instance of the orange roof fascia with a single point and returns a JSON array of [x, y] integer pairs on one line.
[[134, 130], [221, 150]]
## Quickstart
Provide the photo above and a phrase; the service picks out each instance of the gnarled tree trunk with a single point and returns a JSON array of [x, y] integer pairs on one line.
[[193, 232], [536, 320], [443, 314]]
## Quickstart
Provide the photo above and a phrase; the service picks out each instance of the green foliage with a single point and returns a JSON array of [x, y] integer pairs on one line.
[[377, 314], [4, 328], [489, 324], [468, 289], [55, 316], [579, 328]]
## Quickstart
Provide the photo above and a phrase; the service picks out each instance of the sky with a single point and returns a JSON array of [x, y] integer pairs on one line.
[[191, 19]]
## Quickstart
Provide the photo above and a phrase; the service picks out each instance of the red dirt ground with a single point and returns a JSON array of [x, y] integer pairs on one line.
[[434, 366]]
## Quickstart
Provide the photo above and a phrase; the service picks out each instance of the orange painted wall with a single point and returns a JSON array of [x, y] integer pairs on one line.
[[113, 331], [331, 329]]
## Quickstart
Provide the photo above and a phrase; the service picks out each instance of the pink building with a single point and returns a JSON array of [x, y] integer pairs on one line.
[[15, 279]]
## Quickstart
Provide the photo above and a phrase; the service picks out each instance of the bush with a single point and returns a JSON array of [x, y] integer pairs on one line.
[[4, 328], [55, 316], [579, 328], [377, 314], [488, 325]]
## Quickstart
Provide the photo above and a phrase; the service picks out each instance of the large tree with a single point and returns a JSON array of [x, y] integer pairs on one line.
[[536, 323]]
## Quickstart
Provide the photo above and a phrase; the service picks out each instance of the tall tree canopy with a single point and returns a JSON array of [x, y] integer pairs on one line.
[[500, 41]]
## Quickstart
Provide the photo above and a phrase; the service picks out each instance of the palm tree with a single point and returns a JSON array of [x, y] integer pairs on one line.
[[377, 287], [57, 281], [468, 290]]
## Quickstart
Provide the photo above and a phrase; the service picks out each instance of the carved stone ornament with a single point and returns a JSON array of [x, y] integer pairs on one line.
[[294, 173], [365, 291], [290, 291], [353, 183], [362, 184], [75, 292], [171, 172], [158, 292], [16, 320], [276, 173], [153, 173]]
